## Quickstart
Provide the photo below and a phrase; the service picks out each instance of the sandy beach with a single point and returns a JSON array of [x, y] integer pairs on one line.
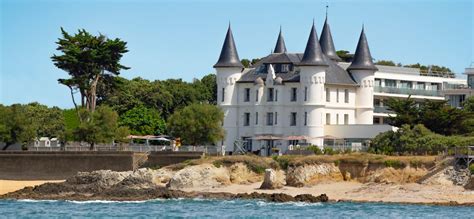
[[370, 192], [7, 186]]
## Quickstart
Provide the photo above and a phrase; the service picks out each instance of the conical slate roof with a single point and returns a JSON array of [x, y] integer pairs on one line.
[[362, 58], [229, 56], [313, 56], [280, 45], [327, 44]]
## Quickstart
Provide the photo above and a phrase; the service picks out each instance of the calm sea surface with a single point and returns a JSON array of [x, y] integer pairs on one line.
[[200, 208]]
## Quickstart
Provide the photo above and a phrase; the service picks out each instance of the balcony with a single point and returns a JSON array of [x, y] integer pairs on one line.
[[407, 91], [382, 109]]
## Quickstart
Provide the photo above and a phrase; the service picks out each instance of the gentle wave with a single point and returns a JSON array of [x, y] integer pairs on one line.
[[106, 201], [33, 200], [299, 204]]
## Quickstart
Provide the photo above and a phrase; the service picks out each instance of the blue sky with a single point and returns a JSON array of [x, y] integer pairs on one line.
[[182, 39]]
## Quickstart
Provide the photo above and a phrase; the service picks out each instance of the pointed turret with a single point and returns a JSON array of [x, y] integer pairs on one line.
[[313, 56], [362, 58], [327, 44], [280, 45], [229, 56]]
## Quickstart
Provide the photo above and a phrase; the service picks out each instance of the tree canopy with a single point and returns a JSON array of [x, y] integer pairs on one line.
[[197, 124], [87, 59], [437, 116], [23, 123], [143, 121]]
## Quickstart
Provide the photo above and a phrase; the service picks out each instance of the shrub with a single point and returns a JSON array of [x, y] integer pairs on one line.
[[394, 163], [315, 149], [283, 161], [471, 168], [329, 151]]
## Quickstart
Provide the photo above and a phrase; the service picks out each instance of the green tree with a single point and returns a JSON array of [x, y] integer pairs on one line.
[[143, 121], [385, 62], [345, 55], [197, 124], [406, 110], [87, 59], [16, 126], [245, 63], [100, 126], [48, 122]]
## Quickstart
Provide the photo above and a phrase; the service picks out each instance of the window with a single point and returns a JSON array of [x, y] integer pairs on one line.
[[276, 118], [247, 143], [376, 120], [346, 96], [256, 118], [293, 119], [328, 119], [346, 119], [406, 84], [305, 93], [285, 68], [270, 95], [247, 95], [337, 119], [223, 93], [270, 119], [420, 85], [328, 95], [377, 82], [390, 83], [293, 94], [337, 95], [276, 95], [246, 119], [256, 95], [305, 118]]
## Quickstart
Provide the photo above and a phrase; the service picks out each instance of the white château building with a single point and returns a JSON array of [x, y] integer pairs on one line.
[[313, 97]]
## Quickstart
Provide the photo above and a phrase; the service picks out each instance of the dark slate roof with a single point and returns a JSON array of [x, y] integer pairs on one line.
[[280, 45], [335, 74], [362, 58], [313, 56], [229, 56], [327, 44]]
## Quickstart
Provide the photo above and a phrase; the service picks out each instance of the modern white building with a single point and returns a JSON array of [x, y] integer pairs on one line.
[[313, 97]]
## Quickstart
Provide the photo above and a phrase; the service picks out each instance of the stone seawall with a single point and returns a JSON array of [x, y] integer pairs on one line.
[[26, 165]]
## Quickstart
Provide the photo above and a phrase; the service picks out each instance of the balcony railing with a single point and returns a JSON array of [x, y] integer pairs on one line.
[[407, 91], [382, 109]]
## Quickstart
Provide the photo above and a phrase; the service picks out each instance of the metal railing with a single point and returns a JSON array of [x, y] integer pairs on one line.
[[407, 91], [134, 148]]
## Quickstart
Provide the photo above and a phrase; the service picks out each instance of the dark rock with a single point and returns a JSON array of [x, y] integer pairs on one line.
[[311, 198]]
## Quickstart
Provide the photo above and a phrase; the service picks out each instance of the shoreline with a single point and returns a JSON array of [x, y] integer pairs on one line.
[[336, 192]]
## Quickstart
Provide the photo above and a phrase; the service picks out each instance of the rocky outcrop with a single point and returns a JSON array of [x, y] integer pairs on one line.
[[204, 175], [270, 180], [91, 182], [449, 176], [470, 183], [312, 174], [393, 175]]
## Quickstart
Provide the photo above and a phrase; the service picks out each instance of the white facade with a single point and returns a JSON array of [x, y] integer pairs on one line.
[[279, 102]]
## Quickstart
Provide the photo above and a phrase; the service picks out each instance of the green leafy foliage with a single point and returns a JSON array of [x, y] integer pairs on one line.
[[143, 121], [471, 168], [165, 96], [23, 123], [197, 124], [417, 140], [87, 59], [438, 117], [100, 126], [315, 149]]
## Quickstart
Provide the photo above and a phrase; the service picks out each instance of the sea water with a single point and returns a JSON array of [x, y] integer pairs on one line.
[[206, 208]]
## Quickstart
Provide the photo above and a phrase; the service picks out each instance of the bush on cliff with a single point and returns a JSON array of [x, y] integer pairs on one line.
[[416, 141]]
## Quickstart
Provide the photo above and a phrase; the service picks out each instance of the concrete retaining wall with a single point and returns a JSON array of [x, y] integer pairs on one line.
[[26, 165]]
